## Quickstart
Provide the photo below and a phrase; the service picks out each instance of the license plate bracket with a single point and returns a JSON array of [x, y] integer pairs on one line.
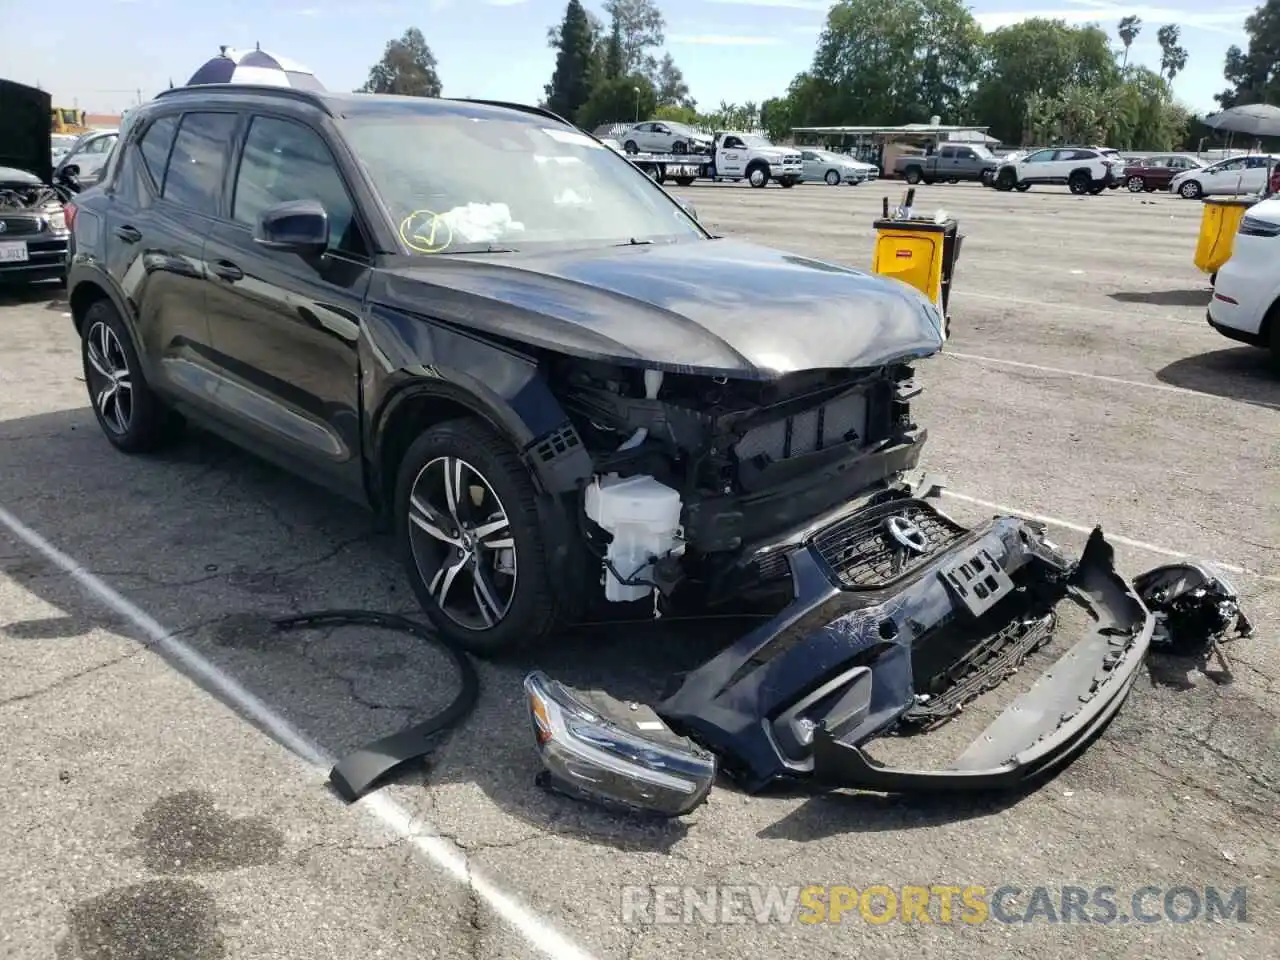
[[13, 251], [977, 578]]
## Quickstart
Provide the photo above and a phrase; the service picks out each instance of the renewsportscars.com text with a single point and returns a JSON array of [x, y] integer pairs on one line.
[[934, 903]]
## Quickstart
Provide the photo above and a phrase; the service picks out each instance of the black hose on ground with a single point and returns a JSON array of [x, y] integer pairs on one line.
[[359, 771]]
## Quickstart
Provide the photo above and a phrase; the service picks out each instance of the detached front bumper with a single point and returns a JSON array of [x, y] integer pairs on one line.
[[901, 617], [838, 667]]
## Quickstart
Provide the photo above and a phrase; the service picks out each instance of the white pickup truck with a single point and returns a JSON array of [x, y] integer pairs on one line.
[[750, 157], [734, 156]]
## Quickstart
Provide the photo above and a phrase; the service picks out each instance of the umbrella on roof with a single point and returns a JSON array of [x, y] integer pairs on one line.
[[255, 66], [1254, 120]]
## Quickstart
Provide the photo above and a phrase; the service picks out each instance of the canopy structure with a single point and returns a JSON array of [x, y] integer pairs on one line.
[[255, 66]]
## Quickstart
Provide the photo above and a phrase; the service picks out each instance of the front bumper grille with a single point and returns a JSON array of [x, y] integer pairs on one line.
[[864, 553]]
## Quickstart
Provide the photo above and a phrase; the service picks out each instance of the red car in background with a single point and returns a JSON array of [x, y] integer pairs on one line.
[[1154, 173]]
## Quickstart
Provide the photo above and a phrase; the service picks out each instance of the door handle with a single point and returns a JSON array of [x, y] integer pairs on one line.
[[128, 234], [227, 270]]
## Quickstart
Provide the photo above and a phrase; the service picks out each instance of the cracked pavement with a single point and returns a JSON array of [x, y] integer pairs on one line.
[[146, 818]]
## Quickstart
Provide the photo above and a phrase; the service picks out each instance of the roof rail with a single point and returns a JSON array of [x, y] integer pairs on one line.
[[313, 97], [522, 107]]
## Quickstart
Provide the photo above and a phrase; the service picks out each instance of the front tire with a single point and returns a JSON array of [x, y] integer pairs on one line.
[[1137, 185], [758, 177], [132, 417], [832, 178], [630, 147], [470, 537], [1191, 190], [1006, 179]]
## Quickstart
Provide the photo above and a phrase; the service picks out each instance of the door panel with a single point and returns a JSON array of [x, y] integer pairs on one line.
[[155, 246], [285, 326]]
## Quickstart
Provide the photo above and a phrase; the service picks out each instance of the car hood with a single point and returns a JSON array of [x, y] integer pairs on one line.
[[719, 307]]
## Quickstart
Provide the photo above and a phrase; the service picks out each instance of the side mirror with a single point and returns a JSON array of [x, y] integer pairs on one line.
[[69, 172], [689, 208], [299, 226]]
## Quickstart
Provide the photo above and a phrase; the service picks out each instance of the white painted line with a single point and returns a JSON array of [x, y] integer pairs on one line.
[[1153, 319], [1162, 387], [444, 854], [1081, 528]]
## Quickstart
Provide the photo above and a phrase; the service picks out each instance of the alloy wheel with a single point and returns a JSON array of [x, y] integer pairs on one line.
[[110, 382], [462, 544], [1137, 185], [833, 178]]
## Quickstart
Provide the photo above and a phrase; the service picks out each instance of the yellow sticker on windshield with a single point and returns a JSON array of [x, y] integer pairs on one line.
[[425, 231]]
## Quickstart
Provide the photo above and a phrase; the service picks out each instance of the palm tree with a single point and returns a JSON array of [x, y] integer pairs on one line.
[[1129, 29]]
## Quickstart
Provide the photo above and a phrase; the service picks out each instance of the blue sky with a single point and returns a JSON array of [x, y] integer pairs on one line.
[[735, 50]]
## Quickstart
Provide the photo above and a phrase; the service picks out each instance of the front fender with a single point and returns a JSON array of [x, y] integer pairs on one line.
[[406, 357]]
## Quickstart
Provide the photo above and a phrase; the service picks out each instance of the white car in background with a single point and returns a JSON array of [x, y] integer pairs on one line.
[[1230, 177], [659, 136], [836, 168], [1246, 293]]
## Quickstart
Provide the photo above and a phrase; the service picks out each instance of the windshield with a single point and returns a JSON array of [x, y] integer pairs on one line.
[[756, 141], [461, 184], [983, 152]]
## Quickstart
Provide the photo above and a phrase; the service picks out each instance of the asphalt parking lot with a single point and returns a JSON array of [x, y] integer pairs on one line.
[[164, 750]]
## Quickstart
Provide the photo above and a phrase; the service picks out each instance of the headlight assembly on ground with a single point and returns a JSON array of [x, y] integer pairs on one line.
[[944, 904]]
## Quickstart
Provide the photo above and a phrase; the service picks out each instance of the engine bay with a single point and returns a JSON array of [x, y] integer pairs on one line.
[[692, 472]]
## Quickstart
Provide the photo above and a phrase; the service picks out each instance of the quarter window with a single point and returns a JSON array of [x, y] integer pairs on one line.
[[285, 161], [154, 145], [198, 162]]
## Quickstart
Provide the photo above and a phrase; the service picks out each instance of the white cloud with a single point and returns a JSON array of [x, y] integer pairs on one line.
[[1229, 21], [721, 40], [820, 5]]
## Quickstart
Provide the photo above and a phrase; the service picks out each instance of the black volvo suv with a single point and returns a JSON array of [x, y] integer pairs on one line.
[[500, 334]]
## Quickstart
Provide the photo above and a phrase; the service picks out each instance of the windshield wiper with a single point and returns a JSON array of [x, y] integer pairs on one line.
[[633, 242]]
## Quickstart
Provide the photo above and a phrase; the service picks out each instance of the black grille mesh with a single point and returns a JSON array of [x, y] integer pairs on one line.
[[863, 555]]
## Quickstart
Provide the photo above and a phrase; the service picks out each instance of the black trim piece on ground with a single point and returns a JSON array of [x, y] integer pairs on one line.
[[359, 771]]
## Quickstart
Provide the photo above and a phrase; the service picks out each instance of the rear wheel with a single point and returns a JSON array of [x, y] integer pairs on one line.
[[630, 147], [1079, 183], [1023, 187], [131, 415], [684, 181], [913, 175], [471, 540], [679, 147]]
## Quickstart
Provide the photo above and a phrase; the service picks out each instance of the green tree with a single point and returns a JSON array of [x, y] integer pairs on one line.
[[407, 67], [570, 85], [1173, 57], [1252, 75], [1033, 63], [612, 59], [640, 27], [776, 118], [896, 61], [671, 87], [674, 113], [616, 101], [1128, 29]]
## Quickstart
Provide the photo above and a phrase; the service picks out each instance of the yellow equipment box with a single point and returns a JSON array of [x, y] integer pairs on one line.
[[1218, 225], [921, 253]]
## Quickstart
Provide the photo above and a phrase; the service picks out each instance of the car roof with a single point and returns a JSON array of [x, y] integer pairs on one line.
[[346, 105]]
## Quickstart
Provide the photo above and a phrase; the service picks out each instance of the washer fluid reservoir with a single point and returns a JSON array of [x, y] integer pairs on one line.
[[643, 516]]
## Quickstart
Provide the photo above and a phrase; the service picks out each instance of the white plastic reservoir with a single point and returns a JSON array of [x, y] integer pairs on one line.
[[644, 517]]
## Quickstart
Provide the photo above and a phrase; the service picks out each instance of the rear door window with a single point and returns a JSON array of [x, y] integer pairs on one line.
[[198, 162]]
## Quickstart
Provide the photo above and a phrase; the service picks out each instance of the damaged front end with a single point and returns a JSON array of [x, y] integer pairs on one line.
[[900, 619]]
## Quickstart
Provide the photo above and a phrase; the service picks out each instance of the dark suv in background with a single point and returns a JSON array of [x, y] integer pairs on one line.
[[495, 330]]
